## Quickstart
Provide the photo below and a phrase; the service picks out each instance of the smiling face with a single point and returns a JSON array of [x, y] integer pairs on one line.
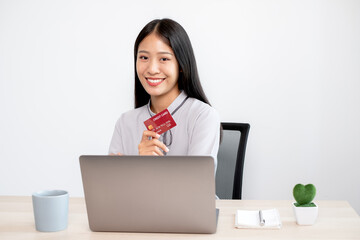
[[157, 68]]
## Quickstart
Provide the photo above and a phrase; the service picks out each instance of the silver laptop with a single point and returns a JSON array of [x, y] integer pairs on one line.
[[173, 194]]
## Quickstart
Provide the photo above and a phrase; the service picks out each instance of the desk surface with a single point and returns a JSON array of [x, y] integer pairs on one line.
[[336, 220]]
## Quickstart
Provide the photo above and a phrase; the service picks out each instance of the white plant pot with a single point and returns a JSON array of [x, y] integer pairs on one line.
[[305, 215]]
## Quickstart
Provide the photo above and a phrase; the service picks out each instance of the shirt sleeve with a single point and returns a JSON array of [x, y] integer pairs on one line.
[[205, 137], [116, 145]]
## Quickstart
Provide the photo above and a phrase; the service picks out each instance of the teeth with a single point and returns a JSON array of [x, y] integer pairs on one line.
[[154, 80]]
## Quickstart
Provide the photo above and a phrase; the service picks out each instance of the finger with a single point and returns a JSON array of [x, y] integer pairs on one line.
[[153, 150], [153, 142], [147, 134], [159, 144], [117, 154], [158, 152]]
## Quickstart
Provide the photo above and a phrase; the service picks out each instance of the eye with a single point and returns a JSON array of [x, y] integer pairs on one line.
[[143, 58], [164, 59]]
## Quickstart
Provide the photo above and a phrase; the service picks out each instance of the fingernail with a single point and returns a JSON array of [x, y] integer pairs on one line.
[[167, 150], [157, 135]]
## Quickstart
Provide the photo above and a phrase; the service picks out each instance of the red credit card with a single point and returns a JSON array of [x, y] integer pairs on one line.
[[161, 122]]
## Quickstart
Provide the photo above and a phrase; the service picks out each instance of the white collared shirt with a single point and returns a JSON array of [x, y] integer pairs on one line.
[[197, 130]]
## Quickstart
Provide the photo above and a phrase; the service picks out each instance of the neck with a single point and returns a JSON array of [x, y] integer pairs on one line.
[[160, 103]]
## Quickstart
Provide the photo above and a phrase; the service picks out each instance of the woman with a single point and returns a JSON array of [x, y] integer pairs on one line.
[[166, 77]]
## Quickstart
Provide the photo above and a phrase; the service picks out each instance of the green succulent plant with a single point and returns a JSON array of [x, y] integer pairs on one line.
[[304, 194]]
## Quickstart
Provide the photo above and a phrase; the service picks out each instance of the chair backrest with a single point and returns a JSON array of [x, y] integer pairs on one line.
[[231, 155]]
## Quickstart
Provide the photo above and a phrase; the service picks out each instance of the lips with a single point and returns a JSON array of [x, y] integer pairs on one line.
[[154, 81]]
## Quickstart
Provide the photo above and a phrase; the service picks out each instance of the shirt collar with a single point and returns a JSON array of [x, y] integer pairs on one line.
[[173, 105]]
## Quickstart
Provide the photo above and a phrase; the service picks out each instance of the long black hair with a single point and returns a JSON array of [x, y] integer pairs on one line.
[[173, 34]]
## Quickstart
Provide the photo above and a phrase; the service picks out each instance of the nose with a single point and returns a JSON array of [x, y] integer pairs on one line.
[[153, 67]]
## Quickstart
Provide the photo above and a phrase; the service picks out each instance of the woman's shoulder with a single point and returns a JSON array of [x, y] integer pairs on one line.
[[198, 107]]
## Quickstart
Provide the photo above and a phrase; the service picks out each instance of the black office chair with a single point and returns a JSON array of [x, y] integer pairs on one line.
[[231, 157]]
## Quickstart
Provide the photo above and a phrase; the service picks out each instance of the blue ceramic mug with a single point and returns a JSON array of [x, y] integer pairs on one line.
[[51, 209]]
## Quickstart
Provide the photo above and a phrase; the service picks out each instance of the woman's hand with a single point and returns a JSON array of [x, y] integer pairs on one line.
[[150, 144]]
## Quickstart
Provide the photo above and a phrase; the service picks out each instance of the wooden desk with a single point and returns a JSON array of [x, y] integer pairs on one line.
[[337, 220]]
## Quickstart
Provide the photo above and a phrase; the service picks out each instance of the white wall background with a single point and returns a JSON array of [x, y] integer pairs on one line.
[[289, 68]]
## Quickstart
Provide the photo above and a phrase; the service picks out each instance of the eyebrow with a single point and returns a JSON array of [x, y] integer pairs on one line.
[[143, 51]]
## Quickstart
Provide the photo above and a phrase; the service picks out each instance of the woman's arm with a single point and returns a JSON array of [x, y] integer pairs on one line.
[[205, 135], [116, 146]]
